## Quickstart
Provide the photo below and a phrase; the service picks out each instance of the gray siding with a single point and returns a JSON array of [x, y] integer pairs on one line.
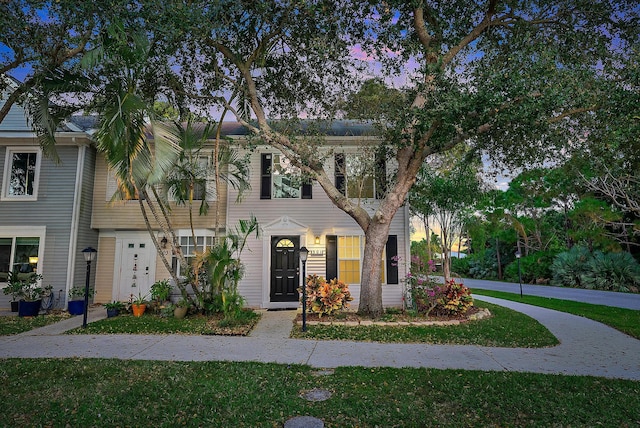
[[86, 237], [53, 209]]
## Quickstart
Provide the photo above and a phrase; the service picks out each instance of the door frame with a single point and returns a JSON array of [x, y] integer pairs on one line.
[[121, 238], [282, 226], [295, 240]]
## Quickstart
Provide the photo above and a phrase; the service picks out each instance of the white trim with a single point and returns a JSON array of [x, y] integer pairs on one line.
[[280, 226], [75, 214], [7, 173], [39, 232]]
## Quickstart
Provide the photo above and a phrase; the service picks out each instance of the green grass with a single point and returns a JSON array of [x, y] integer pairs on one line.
[[155, 324], [506, 328], [106, 393], [14, 324], [624, 320]]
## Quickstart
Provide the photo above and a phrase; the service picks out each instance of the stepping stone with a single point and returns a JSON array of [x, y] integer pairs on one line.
[[325, 372], [304, 422], [316, 395]]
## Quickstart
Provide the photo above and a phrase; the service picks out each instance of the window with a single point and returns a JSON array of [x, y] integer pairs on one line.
[[279, 179], [360, 176], [19, 254], [188, 248], [349, 259], [344, 255], [21, 173]]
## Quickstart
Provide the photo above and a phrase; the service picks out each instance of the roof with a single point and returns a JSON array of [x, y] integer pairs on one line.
[[338, 128]]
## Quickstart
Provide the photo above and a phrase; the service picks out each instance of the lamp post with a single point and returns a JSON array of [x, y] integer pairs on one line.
[[89, 254], [518, 255], [303, 258]]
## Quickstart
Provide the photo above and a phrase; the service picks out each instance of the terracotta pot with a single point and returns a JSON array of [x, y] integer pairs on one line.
[[138, 310], [180, 312]]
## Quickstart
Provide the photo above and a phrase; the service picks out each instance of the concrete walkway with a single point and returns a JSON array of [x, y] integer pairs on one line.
[[586, 348]]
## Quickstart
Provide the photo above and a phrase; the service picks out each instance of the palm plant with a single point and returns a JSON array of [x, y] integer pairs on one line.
[[124, 66]]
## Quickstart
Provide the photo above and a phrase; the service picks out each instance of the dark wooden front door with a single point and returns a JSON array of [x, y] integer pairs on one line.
[[284, 268]]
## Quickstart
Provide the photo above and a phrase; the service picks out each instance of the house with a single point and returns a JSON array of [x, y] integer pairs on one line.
[[294, 215], [290, 212], [45, 207], [49, 212]]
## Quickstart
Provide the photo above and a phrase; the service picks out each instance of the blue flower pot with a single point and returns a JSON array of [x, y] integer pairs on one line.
[[76, 307], [29, 309]]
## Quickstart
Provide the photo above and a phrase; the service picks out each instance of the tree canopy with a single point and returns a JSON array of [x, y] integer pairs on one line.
[[520, 81]]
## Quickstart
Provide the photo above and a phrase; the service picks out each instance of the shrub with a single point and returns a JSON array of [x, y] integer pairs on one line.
[[567, 268], [326, 297], [612, 272], [460, 266], [534, 268], [484, 265], [431, 298]]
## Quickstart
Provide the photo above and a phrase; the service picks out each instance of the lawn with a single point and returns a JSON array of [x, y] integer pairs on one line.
[[506, 328], [624, 320], [156, 324], [14, 324], [99, 392]]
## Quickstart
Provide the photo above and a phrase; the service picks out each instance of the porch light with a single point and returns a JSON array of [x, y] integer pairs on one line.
[[317, 240]]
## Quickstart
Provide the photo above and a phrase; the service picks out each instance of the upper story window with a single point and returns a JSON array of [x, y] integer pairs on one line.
[[21, 173], [279, 179], [360, 175]]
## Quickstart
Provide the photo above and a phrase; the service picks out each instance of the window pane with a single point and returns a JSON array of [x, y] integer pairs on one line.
[[23, 170], [359, 176], [26, 256], [286, 178], [349, 271], [5, 257]]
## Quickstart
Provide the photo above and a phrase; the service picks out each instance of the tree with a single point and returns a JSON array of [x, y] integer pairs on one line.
[[521, 82], [40, 40], [517, 81], [450, 195]]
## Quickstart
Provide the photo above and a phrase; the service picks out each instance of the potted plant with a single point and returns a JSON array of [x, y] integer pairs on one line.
[[181, 308], [114, 308], [75, 305], [14, 288], [138, 305], [161, 290], [31, 296]]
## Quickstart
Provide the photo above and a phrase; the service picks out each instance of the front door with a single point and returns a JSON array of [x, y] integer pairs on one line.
[[284, 268], [137, 268]]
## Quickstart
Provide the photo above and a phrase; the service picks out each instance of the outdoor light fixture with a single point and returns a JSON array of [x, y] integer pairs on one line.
[[317, 240], [163, 243], [89, 254], [33, 260], [304, 253], [518, 255]]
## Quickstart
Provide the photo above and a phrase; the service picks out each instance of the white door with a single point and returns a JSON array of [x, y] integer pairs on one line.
[[137, 268]]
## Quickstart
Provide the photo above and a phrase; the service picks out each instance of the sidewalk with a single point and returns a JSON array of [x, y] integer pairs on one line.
[[586, 348]]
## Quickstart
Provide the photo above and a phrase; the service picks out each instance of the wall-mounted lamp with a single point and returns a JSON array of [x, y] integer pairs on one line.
[[317, 240], [163, 243]]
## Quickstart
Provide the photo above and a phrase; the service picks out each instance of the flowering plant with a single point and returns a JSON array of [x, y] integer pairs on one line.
[[326, 297], [433, 298]]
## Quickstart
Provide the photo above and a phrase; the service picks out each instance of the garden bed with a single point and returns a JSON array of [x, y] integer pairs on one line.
[[393, 318]]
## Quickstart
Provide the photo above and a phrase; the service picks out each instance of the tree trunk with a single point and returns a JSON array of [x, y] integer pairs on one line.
[[370, 279], [498, 257], [428, 233]]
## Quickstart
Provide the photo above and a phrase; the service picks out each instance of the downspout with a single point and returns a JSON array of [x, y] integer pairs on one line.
[[75, 214]]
